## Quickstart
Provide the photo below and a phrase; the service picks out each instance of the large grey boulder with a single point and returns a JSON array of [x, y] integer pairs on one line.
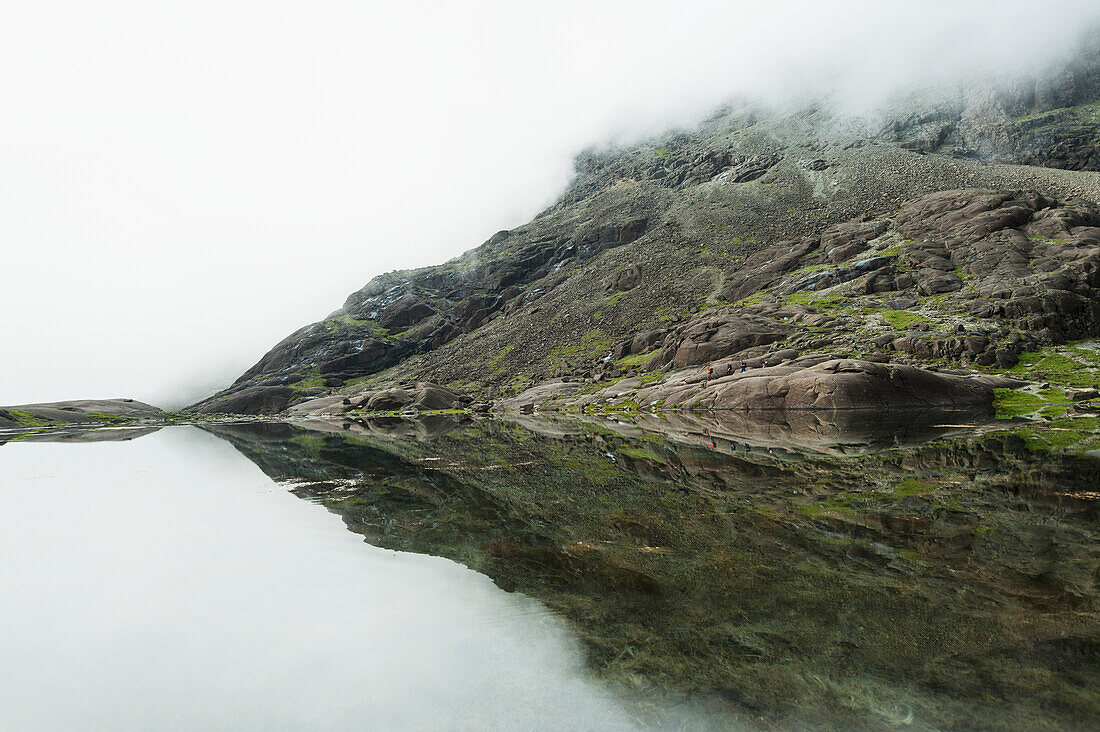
[[842, 384]]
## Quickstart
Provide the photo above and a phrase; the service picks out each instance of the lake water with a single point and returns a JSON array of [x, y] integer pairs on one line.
[[682, 572], [167, 583]]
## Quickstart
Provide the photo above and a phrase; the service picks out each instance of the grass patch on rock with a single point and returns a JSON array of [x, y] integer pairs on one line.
[[1011, 403], [634, 359], [27, 419], [1073, 366]]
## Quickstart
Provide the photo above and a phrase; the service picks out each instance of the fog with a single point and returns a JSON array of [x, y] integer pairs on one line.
[[181, 187]]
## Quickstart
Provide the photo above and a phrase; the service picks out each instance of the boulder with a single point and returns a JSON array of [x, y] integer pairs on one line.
[[527, 400], [626, 278], [1080, 395], [404, 312], [418, 395], [843, 384]]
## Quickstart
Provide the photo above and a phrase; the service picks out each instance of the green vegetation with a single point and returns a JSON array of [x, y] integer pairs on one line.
[[29, 420], [315, 381], [755, 298], [1080, 435], [109, 418], [1072, 366], [911, 487], [592, 344], [496, 364], [636, 453], [634, 359], [836, 505], [1012, 403]]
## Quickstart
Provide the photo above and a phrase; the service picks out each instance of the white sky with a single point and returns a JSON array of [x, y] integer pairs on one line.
[[183, 184]]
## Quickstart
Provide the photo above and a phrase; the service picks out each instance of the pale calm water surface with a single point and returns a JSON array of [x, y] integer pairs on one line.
[[671, 571], [167, 583]]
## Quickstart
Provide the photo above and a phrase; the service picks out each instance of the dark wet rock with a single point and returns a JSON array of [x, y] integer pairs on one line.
[[417, 396], [403, 312], [714, 338], [1046, 122], [747, 170], [843, 241], [623, 279], [763, 268], [250, 400]]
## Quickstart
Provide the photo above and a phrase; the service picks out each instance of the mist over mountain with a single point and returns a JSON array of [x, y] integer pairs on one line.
[[954, 226]]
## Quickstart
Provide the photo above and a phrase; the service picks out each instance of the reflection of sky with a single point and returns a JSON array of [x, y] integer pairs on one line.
[[167, 583]]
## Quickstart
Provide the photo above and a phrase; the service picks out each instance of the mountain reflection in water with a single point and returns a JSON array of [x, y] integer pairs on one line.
[[810, 569]]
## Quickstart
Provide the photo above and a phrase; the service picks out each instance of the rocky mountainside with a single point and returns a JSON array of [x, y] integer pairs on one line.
[[956, 232]]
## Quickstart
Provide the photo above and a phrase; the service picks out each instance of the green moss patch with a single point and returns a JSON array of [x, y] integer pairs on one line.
[[109, 418], [1072, 366], [635, 359], [1011, 403]]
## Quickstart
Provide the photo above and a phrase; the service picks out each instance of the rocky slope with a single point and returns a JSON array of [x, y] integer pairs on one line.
[[960, 233]]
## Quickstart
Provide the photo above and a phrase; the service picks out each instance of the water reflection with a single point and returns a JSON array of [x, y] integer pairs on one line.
[[794, 573], [166, 583]]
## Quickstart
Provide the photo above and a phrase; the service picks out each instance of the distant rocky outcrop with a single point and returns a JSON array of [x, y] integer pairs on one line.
[[78, 412]]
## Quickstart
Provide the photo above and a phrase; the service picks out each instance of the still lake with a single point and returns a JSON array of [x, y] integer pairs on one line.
[[167, 583], [600, 573]]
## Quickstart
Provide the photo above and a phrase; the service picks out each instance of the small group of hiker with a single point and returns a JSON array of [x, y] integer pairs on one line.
[[729, 368]]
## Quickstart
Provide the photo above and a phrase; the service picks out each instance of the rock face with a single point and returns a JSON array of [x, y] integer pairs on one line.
[[1047, 121], [842, 384], [893, 240], [820, 384]]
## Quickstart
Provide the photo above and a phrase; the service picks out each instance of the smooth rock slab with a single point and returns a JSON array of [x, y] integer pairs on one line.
[[842, 384]]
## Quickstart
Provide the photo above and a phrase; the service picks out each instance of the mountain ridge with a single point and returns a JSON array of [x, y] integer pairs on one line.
[[654, 239]]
